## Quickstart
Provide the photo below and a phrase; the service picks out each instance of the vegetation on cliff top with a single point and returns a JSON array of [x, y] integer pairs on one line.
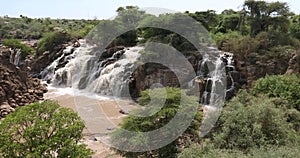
[[15, 43]]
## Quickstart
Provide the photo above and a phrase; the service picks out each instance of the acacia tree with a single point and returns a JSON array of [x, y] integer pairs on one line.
[[42, 130], [262, 15]]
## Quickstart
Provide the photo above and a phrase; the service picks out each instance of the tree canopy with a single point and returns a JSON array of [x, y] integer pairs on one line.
[[159, 119], [42, 130]]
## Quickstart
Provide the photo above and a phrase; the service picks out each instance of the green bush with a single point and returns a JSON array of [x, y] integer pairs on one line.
[[209, 151], [251, 122], [176, 99], [222, 38], [15, 43], [275, 152], [282, 86], [42, 129], [50, 41]]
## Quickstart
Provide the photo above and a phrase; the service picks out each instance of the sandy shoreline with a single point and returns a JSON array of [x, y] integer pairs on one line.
[[101, 115]]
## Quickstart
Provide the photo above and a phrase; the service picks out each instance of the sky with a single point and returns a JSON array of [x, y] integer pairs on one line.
[[105, 9]]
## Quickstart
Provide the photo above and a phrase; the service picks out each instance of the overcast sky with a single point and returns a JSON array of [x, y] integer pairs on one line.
[[103, 9]]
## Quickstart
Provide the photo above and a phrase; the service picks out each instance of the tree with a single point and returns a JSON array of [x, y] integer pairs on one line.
[[229, 22], [262, 15], [295, 27], [207, 18], [42, 130], [173, 102]]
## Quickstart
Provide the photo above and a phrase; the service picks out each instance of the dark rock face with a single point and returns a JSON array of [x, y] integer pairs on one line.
[[256, 66], [110, 52], [152, 73], [17, 88], [40, 63], [149, 74]]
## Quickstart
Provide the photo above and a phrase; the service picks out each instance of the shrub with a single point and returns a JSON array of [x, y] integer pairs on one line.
[[50, 41], [282, 86], [42, 129], [15, 43], [175, 99], [205, 151], [208, 150], [249, 122]]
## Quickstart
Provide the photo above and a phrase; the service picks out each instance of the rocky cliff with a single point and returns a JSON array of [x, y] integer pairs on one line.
[[256, 66], [16, 87]]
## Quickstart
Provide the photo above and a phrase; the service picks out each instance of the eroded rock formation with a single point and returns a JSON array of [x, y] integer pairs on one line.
[[16, 87]]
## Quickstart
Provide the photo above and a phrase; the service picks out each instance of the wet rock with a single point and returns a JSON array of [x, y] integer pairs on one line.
[[111, 51], [76, 44], [124, 111]]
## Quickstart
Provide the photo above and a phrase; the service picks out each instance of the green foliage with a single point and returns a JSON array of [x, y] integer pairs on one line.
[[282, 86], [42, 129], [207, 18], [29, 28], [206, 150], [173, 29], [225, 41], [261, 16], [251, 122], [230, 21], [253, 126], [130, 16], [15, 43], [174, 100], [295, 27], [119, 31], [275, 152], [51, 40]]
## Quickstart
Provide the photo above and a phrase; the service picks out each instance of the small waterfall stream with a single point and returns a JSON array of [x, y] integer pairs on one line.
[[215, 74], [15, 55]]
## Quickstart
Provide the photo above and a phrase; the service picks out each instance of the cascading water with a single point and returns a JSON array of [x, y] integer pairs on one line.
[[114, 77], [81, 68], [15, 55], [84, 70], [214, 73]]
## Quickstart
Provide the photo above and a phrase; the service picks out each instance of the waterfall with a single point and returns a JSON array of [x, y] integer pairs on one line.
[[113, 78], [215, 72], [84, 70], [15, 55]]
